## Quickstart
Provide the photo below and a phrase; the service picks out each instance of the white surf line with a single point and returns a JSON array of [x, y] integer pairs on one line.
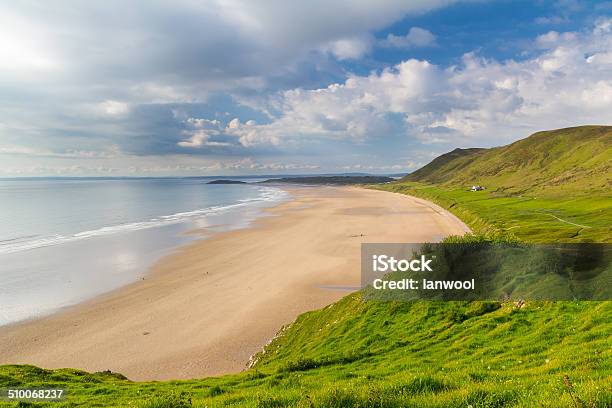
[[565, 221]]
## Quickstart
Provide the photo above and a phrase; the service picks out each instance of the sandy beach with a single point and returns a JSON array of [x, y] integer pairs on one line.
[[205, 309]]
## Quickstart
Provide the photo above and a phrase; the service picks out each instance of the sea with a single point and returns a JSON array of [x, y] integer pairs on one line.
[[63, 241]]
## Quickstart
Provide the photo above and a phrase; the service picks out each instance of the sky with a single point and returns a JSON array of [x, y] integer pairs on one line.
[[228, 87]]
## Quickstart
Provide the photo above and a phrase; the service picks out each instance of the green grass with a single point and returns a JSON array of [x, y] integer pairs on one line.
[[429, 353], [557, 163], [553, 186], [405, 354], [530, 217]]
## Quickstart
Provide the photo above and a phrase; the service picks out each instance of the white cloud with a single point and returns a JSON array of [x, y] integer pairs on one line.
[[480, 101], [198, 123], [142, 53], [69, 154], [200, 133], [249, 163], [233, 124], [350, 48], [387, 168], [357, 109], [416, 37], [551, 20], [554, 39], [114, 108], [197, 139], [24, 48]]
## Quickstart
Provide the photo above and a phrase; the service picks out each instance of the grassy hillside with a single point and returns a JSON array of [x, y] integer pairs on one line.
[[445, 167], [553, 186], [430, 354], [408, 354], [573, 160]]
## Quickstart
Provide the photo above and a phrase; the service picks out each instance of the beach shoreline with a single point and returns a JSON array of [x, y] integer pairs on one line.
[[208, 307]]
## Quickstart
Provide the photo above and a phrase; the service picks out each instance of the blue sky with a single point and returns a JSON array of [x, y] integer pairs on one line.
[[240, 87]]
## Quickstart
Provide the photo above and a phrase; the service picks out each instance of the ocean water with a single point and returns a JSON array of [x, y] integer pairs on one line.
[[63, 241]]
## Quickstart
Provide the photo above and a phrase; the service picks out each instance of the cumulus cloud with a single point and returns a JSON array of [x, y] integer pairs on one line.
[[477, 102], [201, 133], [196, 140], [480, 100], [416, 37]]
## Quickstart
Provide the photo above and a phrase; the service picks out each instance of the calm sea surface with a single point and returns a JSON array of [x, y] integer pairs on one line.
[[64, 241]]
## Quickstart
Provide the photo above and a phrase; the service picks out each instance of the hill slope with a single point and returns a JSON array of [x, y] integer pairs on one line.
[[399, 354], [577, 159], [444, 167]]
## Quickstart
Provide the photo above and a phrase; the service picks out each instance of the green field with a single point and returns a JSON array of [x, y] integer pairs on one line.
[[429, 353], [530, 217]]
